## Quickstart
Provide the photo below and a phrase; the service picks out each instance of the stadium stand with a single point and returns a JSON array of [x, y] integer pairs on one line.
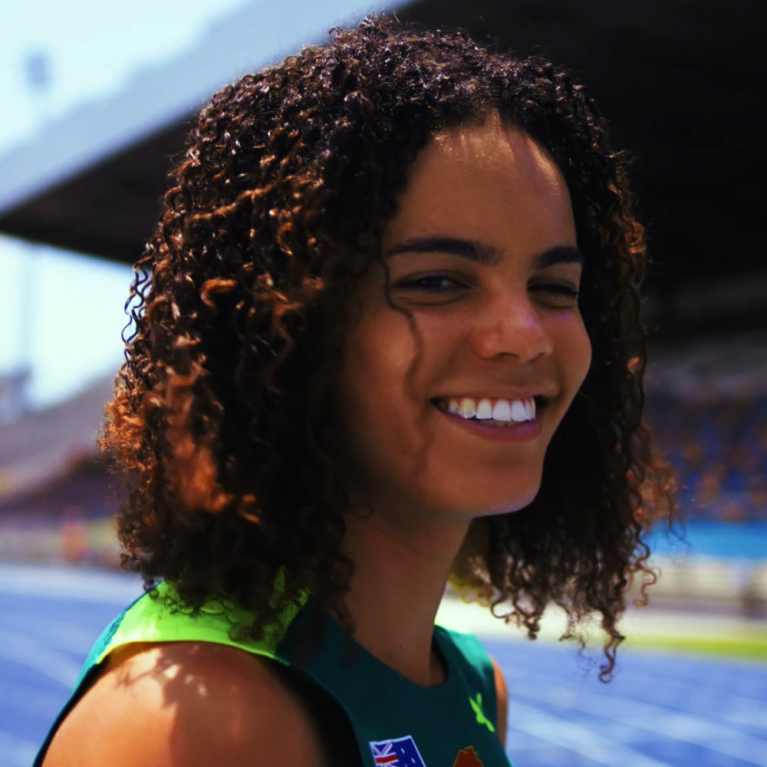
[[68, 518], [41, 445], [707, 402], [719, 450]]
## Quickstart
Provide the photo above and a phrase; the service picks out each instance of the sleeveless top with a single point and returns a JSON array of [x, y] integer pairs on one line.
[[396, 722]]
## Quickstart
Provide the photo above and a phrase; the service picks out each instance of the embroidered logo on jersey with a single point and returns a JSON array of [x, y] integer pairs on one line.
[[401, 752], [467, 757], [480, 712]]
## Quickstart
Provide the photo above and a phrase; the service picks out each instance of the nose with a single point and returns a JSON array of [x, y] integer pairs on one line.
[[511, 327]]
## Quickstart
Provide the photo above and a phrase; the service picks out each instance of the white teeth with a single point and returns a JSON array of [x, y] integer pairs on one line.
[[518, 412], [484, 410], [502, 411]]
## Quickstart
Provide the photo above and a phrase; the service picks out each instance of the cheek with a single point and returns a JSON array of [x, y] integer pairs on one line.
[[583, 345], [378, 399], [379, 354], [574, 352]]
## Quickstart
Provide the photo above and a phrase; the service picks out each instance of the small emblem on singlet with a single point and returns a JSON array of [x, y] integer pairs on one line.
[[476, 706], [467, 757], [400, 752]]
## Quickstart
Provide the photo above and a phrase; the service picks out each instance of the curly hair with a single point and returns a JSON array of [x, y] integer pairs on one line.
[[222, 422]]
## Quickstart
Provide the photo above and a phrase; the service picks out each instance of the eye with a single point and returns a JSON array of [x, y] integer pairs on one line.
[[557, 290], [432, 283]]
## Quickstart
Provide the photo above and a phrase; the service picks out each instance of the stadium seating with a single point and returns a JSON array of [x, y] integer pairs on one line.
[[719, 449]]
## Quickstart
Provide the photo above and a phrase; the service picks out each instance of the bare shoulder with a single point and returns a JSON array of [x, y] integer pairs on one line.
[[502, 696], [191, 704]]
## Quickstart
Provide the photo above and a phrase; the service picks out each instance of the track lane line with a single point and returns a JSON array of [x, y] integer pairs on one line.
[[53, 632], [33, 654], [16, 752], [675, 725], [575, 737]]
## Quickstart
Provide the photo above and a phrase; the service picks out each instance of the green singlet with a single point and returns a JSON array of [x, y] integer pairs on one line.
[[395, 722]]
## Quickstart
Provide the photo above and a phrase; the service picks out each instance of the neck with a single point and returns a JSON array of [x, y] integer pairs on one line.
[[400, 578]]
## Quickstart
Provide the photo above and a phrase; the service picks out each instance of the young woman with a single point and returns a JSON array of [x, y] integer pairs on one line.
[[389, 338]]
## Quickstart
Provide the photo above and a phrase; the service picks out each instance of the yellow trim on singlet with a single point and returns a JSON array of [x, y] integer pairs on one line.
[[161, 618]]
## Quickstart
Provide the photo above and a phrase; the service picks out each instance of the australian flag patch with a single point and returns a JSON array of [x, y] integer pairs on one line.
[[400, 752]]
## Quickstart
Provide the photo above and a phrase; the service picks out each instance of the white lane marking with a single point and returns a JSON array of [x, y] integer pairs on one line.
[[84, 585], [730, 706], [755, 716], [15, 752], [575, 737], [674, 725], [59, 634], [31, 700], [33, 654]]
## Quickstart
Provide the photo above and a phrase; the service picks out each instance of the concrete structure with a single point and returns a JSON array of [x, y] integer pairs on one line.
[[43, 444]]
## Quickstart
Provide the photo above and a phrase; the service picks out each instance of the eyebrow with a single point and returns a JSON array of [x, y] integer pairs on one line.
[[471, 249], [559, 254], [481, 253]]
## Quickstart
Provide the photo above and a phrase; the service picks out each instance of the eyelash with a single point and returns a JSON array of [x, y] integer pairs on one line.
[[415, 284], [558, 290], [562, 291]]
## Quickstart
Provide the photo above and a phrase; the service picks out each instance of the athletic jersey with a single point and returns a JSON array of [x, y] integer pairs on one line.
[[396, 722]]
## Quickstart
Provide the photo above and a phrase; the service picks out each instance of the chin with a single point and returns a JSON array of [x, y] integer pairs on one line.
[[491, 506], [510, 508], [485, 497], [520, 499]]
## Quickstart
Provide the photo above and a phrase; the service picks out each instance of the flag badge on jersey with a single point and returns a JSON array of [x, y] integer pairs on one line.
[[401, 752], [467, 757]]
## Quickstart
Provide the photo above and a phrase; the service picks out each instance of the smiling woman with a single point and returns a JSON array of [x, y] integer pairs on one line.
[[488, 212], [390, 340]]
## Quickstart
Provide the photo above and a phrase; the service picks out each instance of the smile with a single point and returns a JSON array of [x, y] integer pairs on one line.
[[495, 410], [497, 430]]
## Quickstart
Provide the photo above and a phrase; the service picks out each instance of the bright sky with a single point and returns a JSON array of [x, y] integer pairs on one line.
[[66, 315], [93, 47]]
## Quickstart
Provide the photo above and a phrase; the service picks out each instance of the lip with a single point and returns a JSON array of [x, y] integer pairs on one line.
[[524, 432]]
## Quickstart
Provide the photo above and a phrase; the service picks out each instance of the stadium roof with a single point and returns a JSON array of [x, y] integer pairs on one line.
[[683, 82], [91, 181]]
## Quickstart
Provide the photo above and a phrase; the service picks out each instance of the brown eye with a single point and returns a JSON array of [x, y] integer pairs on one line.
[[562, 291], [555, 294], [433, 283]]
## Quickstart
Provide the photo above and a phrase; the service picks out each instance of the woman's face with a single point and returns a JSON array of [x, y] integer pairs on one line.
[[483, 255]]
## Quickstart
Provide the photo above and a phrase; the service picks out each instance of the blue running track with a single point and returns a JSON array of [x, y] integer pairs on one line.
[[659, 711]]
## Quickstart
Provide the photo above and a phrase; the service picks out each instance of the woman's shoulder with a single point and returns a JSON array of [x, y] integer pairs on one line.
[[469, 649], [187, 703], [486, 673]]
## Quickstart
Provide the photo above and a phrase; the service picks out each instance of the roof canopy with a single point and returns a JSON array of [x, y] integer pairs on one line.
[[683, 83]]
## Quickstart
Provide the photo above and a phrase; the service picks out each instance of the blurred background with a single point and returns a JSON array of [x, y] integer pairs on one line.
[[96, 98]]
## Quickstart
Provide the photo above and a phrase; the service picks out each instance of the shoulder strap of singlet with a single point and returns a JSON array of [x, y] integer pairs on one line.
[[159, 616], [477, 667]]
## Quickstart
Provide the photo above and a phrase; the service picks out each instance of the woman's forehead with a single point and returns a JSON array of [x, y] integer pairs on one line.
[[491, 148], [485, 179]]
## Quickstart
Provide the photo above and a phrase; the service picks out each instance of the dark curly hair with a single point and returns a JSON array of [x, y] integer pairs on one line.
[[223, 414]]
